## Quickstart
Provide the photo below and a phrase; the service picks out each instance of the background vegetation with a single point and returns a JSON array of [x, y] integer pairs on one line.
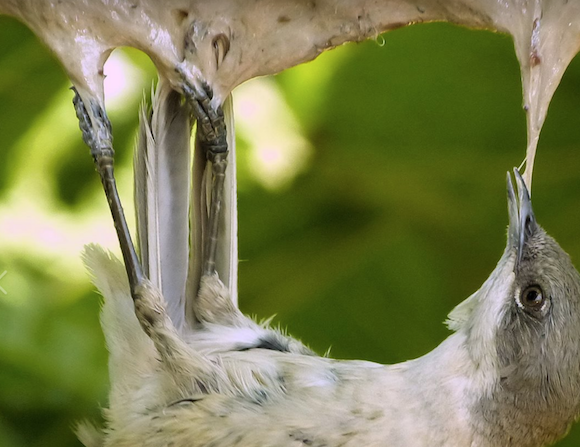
[[372, 201]]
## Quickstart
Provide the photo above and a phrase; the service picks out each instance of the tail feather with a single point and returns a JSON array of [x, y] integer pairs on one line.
[[171, 201], [162, 196], [227, 255]]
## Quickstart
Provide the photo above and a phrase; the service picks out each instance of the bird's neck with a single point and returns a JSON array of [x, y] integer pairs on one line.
[[523, 419], [492, 408]]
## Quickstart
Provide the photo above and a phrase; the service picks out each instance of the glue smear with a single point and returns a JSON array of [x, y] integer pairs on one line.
[[546, 38]]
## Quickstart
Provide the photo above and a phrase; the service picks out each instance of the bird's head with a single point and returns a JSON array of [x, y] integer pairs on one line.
[[522, 328]]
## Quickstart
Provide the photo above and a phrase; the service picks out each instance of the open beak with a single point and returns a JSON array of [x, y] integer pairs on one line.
[[521, 215]]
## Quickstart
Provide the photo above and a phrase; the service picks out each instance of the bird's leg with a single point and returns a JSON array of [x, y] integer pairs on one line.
[[211, 137], [96, 129], [176, 356]]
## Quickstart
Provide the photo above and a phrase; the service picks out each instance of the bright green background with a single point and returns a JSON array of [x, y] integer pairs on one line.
[[399, 214]]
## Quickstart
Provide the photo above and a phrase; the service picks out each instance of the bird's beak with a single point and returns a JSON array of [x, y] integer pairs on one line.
[[522, 220]]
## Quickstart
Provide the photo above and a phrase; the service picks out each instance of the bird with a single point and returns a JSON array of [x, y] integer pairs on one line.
[[188, 368]]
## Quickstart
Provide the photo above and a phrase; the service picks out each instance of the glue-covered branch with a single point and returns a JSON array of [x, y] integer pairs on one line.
[[261, 37]]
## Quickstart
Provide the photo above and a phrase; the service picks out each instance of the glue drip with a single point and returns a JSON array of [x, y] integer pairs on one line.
[[546, 37]]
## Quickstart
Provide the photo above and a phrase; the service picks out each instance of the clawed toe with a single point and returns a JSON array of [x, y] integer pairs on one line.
[[211, 128]]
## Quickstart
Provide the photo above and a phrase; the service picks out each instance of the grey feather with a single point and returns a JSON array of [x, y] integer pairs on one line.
[[162, 195], [227, 253], [171, 201]]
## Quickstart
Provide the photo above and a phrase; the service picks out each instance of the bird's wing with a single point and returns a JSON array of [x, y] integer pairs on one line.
[[162, 195]]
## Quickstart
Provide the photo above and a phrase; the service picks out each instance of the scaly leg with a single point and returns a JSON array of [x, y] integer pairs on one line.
[[211, 136], [98, 136]]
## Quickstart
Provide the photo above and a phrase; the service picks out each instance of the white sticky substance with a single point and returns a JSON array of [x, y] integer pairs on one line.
[[546, 38], [268, 36]]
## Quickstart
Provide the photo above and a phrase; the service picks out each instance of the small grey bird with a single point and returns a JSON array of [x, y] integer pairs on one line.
[[189, 369]]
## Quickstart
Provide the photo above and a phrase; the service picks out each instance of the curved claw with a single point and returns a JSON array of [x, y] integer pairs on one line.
[[211, 128]]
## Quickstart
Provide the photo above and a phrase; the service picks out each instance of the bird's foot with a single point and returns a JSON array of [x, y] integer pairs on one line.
[[211, 128]]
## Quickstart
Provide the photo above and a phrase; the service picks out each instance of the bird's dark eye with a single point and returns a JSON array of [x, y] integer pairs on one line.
[[532, 297]]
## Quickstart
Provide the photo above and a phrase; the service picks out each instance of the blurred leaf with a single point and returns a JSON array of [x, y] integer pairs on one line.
[[29, 77]]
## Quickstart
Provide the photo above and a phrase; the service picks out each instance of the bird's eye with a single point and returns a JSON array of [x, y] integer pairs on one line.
[[532, 297]]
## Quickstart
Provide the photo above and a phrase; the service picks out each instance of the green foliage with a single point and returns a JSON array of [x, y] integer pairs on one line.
[[397, 216]]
